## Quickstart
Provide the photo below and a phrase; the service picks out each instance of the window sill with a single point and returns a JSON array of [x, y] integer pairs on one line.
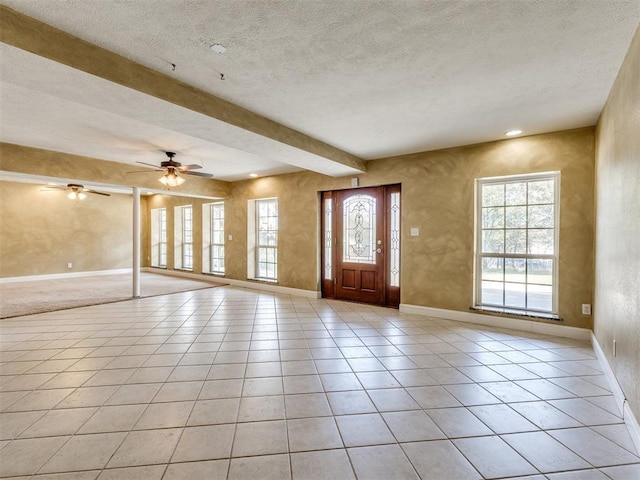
[[262, 280], [158, 267], [213, 274], [184, 269], [513, 312]]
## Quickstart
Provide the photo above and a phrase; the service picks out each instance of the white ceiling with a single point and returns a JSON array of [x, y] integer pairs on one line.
[[372, 78]]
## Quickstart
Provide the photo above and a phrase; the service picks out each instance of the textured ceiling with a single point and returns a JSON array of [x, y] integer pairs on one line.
[[372, 78]]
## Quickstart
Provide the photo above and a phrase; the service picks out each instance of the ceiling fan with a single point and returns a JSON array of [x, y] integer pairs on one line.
[[76, 191], [172, 171]]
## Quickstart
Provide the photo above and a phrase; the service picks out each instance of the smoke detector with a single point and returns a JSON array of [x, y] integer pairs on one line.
[[218, 48]]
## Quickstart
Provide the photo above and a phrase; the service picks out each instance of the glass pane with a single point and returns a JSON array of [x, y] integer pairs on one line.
[[541, 192], [328, 219], [516, 217], [359, 229], [492, 292], [492, 195], [394, 269], [493, 241], [516, 241], [516, 194], [539, 297], [493, 217], [263, 238], [493, 269], [541, 216], [515, 270], [541, 241], [540, 271], [272, 239], [514, 295]]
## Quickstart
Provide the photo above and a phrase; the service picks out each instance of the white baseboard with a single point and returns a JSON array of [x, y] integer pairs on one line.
[[298, 292], [502, 322], [184, 274], [237, 283], [629, 418], [54, 276]]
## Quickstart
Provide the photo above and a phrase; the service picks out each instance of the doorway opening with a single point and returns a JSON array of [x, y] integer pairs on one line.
[[361, 245]]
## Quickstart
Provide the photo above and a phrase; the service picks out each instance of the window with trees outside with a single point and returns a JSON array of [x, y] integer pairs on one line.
[[517, 243]]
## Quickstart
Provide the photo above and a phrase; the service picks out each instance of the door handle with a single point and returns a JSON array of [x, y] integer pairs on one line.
[[379, 250]]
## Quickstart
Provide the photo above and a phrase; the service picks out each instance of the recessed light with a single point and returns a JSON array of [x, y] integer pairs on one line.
[[218, 48], [253, 175], [512, 133]]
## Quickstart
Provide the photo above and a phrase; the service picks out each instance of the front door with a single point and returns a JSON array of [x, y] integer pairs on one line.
[[362, 245]]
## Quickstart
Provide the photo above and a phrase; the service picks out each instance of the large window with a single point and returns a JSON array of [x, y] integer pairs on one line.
[[159, 237], [517, 243], [213, 237], [263, 239], [183, 237]]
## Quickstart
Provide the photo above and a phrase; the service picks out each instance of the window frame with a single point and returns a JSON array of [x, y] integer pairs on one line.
[[479, 255], [158, 237], [254, 247], [187, 229], [209, 236]]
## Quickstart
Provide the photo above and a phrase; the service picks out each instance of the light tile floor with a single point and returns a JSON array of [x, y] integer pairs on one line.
[[233, 383]]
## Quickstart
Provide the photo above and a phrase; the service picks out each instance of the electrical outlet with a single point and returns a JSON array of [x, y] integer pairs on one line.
[[415, 231], [586, 309], [69, 265]]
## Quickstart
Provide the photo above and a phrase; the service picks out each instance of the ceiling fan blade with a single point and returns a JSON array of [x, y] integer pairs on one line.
[[147, 171], [197, 174], [96, 192], [148, 164], [193, 166]]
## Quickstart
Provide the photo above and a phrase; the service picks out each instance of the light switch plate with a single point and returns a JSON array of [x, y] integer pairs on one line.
[[415, 231]]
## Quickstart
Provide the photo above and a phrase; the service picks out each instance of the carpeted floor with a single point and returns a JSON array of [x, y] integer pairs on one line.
[[27, 298]]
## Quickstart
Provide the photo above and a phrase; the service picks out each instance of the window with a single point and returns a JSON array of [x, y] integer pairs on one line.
[[263, 239], [517, 243], [159, 237], [213, 237], [183, 221]]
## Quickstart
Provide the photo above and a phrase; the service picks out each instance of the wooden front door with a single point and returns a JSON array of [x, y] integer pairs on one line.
[[361, 255]]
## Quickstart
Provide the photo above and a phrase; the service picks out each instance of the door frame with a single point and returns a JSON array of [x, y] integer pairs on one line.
[[391, 294]]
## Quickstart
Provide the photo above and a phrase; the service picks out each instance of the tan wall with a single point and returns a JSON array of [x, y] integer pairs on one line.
[[40, 232], [437, 197], [617, 253], [36, 161]]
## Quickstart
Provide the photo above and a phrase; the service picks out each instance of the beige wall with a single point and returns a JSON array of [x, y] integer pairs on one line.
[[37, 161], [40, 232], [617, 252], [437, 196]]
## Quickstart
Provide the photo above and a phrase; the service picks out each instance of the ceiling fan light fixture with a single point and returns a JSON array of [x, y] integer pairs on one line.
[[75, 195], [171, 179]]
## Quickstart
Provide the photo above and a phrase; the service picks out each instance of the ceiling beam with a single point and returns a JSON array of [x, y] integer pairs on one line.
[[40, 162], [29, 34]]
